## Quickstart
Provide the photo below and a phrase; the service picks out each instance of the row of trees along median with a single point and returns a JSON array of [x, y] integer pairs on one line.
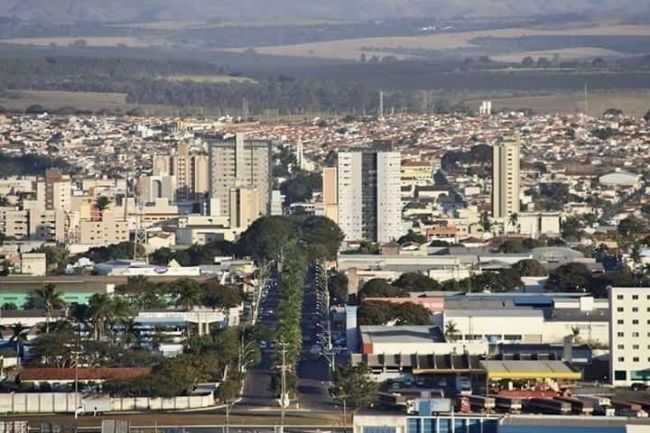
[[292, 243]]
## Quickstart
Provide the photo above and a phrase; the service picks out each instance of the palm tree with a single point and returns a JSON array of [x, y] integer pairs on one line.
[[486, 224], [19, 337], [188, 294], [451, 331], [100, 310], [121, 312], [513, 219], [51, 299]]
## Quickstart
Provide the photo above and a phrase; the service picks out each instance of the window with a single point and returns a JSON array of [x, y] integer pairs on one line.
[[635, 322], [620, 309], [635, 359], [635, 309], [635, 347], [621, 334], [635, 297], [620, 347], [635, 334], [620, 321], [621, 359], [619, 297]]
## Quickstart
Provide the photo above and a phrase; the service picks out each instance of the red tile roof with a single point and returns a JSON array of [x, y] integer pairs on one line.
[[56, 374]]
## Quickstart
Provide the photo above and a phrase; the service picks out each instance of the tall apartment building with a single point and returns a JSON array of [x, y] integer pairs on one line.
[[238, 163], [330, 194], [369, 199], [505, 178], [191, 171], [629, 341], [54, 191]]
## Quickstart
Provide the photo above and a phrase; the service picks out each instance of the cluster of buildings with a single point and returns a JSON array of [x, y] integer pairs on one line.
[[448, 184]]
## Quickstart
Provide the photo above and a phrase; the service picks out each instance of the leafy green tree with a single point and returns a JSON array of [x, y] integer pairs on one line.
[[529, 268], [265, 239], [410, 314], [216, 295], [571, 277], [51, 299], [380, 288], [102, 203], [301, 187], [337, 283], [416, 282], [375, 313], [631, 226], [353, 387], [322, 237], [571, 228], [57, 258], [412, 237], [485, 222]]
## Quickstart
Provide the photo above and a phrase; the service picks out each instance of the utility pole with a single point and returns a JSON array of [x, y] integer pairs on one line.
[[283, 387]]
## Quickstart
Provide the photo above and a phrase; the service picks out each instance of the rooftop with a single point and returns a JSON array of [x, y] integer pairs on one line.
[[402, 334]]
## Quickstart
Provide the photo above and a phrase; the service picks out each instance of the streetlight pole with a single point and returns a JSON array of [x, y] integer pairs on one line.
[[283, 387]]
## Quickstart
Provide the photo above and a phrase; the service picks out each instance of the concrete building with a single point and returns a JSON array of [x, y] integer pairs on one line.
[[629, 335], [416, 173], [505, 178], [14, 222], [240, 163], [151, 188], [244, 207], [33, 264], [536, 224], [190, 169], [330, 194], [110, 230], [55, 191], [369, 196], [47, 225]]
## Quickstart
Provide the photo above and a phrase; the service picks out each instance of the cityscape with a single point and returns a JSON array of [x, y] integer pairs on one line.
[[321, 257]]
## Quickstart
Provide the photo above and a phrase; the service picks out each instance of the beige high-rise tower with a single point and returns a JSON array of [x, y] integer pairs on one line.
[[239, 163], [330, 193], [505, 178]]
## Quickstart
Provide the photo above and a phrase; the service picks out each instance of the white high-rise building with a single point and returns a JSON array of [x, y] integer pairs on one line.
[[505, 178], [629, 341], [369, 199]]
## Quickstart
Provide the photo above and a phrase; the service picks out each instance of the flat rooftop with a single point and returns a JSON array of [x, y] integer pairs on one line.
[[518, 369], [401, 334]]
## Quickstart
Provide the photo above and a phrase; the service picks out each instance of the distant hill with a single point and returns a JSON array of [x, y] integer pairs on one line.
[[233, 10]]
